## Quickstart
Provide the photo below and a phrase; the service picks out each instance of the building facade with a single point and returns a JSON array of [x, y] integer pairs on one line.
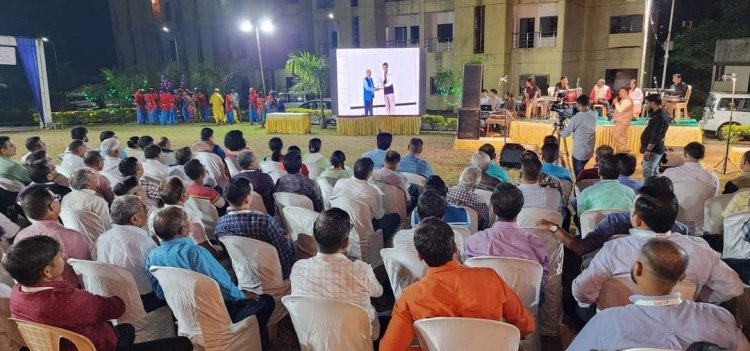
[[732, 56]]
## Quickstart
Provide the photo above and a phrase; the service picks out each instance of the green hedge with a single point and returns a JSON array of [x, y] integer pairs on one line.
[[101, 116], [438, 122], [307, 110]]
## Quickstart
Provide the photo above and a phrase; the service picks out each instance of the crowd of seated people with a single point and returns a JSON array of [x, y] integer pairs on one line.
[[154, 204]]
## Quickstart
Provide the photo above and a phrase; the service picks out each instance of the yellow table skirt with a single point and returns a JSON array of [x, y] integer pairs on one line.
[[288, 123], [736, 153], [399, 125]]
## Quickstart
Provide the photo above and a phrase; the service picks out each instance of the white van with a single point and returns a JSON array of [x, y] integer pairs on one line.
[[716, 112]]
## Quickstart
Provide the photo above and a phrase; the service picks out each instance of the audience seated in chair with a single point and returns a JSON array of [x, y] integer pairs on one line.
[[388, 175], [593, 173], [607, 193], [111, 152], [294, 182], [504, 238], [10, 169], [33, 143], [337, 169], [167, 154], [83, 181], [658, 267], [197, 173], [692, 170], [235, 143], [451, 290], [132, 167], [153, 166], [73, 159], [207, 144], [412, 163], [535, 195], [95, 162], [106, 134], [261, 182], [331, 274], [377, 156], [41, 297], [626, 163], [182, 156], [463, 195], [743, 181], [314, 146], [494, 171], [482, 161], [43, 173], [430, 204], [550, 166], [454, 215]]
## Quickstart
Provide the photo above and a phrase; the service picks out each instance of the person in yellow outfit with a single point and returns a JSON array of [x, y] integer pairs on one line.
[[217, 107]]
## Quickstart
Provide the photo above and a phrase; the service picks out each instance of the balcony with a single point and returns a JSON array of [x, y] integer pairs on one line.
[[406, 43], [534, 40], [325, 4], [439, 44]]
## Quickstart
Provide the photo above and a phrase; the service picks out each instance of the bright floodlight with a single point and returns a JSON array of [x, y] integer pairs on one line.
[[45, 39], [246, 26], [330, 15], [165, 29], [266, 25]]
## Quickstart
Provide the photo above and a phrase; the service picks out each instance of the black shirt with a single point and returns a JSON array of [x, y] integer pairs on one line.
[[655, 131]]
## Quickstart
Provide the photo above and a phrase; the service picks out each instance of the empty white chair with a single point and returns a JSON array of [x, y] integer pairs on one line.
[[550, 312], [257, 203], [393, 200], [201, 314], [258, 269], [485, 195], [325, 324], [10, 185], [364, 242], [692, 197], [712, 210], [300, 220], [735, 227], [326, 189], [456, 333], [473, 219], [591, 218], [209, 213], [529, 216], [232, 166], [88, 223], [415, 179], [104, 279], [290, 199], [214, 166], [314, 170], [403, 268], [580, 186]]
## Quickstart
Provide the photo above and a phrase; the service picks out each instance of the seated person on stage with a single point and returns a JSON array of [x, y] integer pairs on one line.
[[608, 193], [534, 194], [626, 163], [378, 155], [463, 195], [611, 225], [451, 290], [177, 250], [481, 161], [484, 99], [653, 215], [153, 166], [336, 168], [127, 245], [388, 175], [601, 94], [743, 181], [294, 182], [657, 317], [10, 169], [40, 296], [551, 156], [331, 274], [692, 170], [412, 163], [494, 100], [454, 215], [505, 238], [197, 173], [678, 88], [593, 173], [495, 171], [511, 106]]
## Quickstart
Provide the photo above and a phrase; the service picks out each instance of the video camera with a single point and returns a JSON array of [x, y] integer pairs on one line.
[[564, 112]]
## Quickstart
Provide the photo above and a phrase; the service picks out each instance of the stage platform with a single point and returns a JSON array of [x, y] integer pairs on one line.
[[370, 125], [533, 132]]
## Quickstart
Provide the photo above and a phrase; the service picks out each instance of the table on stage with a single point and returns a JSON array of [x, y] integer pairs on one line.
[[288, 123]]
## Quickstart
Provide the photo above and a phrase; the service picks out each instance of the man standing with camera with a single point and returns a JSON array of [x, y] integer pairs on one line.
[[583, 127], [652, 138]]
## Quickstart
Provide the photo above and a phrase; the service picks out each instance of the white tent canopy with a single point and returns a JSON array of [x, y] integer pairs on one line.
[[8, 57]]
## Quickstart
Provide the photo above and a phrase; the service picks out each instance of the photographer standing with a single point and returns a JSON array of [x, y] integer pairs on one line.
[[583, 127]]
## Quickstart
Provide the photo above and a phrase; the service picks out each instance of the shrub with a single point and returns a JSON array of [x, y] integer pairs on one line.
[[307, 110], [101, 116]]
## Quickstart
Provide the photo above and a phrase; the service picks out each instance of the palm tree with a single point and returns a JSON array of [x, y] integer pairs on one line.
[[310, 73]]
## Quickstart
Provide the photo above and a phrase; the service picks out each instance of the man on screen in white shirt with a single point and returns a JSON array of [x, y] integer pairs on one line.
[[388, 93]]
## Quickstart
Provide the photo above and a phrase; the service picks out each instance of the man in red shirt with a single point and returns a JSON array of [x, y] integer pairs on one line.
[[140, 107], [167, 108], [42, 297], [151, 105], [229, 106]]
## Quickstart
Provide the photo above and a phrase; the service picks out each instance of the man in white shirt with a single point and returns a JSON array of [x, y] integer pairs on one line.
[[83, 181], [111, 148], [153, 167], [692, 170], [622, 116], [331, 274], [33, 143], [127, 245], [73, 159], [388, 93], [600, 95], [388, 175], [534, 195]]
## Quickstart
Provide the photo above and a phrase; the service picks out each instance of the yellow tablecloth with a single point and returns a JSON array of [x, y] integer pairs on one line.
[[287, 123], [399, 125], [736, 153]]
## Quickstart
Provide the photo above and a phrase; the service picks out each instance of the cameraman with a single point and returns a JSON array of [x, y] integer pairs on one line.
[[583, 127]]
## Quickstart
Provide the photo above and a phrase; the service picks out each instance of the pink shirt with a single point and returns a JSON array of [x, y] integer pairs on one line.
[[73, 244]]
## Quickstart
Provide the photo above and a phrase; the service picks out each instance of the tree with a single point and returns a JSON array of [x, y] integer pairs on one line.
[[310, 74], [450, 83], [208, 78], [115, 88]]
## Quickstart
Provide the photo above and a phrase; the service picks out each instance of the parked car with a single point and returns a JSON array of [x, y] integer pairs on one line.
[[78, 102], [315, 105], [294, 100], [716, 112]]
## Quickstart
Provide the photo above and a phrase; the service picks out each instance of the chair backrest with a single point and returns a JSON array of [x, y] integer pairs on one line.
[[616, 291], [209, 213], [214, 166], [736, 230], [269, 166], [104, 279], [88, 223], [275, 175], [529, 216], [300, 220], [403, 268], [580, 186], [364, 242], [688, 93], [232, 166], [457, 333], [523, 276], [393, 200], [550, 312], [415, 179], [257, 204], [712, 210], [41, 337], [567, 188], [314, 170], [485, 195], [473, 219], [692, 196], [290, 199], [256, 264], [591, 218], [10, 185], [326, 189], [326, 324]]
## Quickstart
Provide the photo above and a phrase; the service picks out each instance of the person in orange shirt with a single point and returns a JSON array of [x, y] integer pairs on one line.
[[450, 290]]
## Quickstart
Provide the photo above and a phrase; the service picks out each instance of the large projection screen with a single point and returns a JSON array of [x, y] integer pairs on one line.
[[403, 80]]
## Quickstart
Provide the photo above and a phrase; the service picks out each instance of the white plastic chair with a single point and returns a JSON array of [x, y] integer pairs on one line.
[[258, 269], [326, 324], [473, 219], [591, 218], [486, 196], [104, 279], [269, 166], [415, 179], [735, 227], [580, 186], [209, 213], [456, 333], [403, 268], [275, 175], [290, 199], [214, 166], [88, 223], [314, 170], [550, 312], [232, 166], [616, 291], [393, 200], [712, 210], [529, 216], [692, 197], [201, 314], [326, 189], [364, 242], [257, 203], [300, 220], [10, 185]]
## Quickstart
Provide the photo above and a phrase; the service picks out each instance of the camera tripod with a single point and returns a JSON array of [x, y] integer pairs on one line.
[[564, 153]]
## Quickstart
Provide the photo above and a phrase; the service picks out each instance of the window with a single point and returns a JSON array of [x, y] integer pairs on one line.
[[334, 39], [625, 24], [414, 35], [719, 71], [541, 81], [156, 10], [355, 31], [400, 36], [167, 11], [445, 32], [355, 3], [433, 88], [325, 4], [479, 29], [526, 32], [548, 26]]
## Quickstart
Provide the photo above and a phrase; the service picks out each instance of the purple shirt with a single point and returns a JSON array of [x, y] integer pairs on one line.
[[506, 239]]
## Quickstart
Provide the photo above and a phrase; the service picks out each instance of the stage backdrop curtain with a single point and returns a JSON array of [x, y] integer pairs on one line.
[[371, 125], [28, 53]]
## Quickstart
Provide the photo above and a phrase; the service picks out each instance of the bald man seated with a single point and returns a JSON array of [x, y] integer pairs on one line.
[[656, 317]]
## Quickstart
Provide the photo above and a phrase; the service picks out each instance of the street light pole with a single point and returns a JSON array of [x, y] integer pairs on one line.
[[265, 25], [176, 49], [260, 59], [54, 52], [667, 44]]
